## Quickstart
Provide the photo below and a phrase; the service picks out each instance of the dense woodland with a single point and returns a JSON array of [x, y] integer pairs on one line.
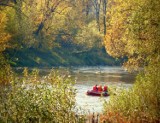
[[78, 32], [54, 33]]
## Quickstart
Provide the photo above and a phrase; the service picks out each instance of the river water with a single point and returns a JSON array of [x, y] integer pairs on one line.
[[87, 77]]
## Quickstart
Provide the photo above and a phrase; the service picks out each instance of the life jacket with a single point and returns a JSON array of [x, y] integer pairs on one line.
[[95, 88], [105, 88], [100, 88]]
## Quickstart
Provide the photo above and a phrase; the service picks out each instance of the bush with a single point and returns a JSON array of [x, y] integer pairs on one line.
[[5, 71], [34, 99], [138, 104]]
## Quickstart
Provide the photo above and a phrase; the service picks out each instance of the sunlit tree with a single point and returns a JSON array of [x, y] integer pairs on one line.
[[133, 31], [4, 35]]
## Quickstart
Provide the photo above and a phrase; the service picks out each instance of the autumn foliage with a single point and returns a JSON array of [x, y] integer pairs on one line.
[[4, 35], [133, 32]]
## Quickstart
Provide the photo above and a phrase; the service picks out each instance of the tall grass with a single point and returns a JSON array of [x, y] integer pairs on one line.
[[139, 104], [38, 100]]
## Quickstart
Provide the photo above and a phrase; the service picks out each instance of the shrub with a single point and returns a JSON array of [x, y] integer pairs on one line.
[[138, 104], [5, 71], [34, 99]]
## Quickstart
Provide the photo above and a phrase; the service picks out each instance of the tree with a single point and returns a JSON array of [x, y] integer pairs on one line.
[[97, 6], [133, 31], [4, 35], [89, 37], [36, 21], [104, 15]]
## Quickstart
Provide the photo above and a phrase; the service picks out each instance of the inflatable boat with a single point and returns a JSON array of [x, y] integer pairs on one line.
[[96, 93]]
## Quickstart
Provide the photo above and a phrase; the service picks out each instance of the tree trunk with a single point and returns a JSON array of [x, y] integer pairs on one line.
[[104, 15], [97, 5]]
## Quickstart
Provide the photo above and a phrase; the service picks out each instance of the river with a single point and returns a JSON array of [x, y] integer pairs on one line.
[[87, 77]]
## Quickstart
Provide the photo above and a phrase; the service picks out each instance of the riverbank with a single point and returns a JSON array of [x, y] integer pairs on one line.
[[59, 57]]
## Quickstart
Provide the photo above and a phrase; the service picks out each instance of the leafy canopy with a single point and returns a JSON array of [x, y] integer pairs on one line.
[[133, 30]]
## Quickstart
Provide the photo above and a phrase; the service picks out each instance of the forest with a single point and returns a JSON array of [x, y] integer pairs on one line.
[[54, 33], [49, 33]]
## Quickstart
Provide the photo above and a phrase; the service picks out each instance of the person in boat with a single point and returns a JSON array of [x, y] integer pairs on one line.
[[105, 88], [95, 88], [100, 88]]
